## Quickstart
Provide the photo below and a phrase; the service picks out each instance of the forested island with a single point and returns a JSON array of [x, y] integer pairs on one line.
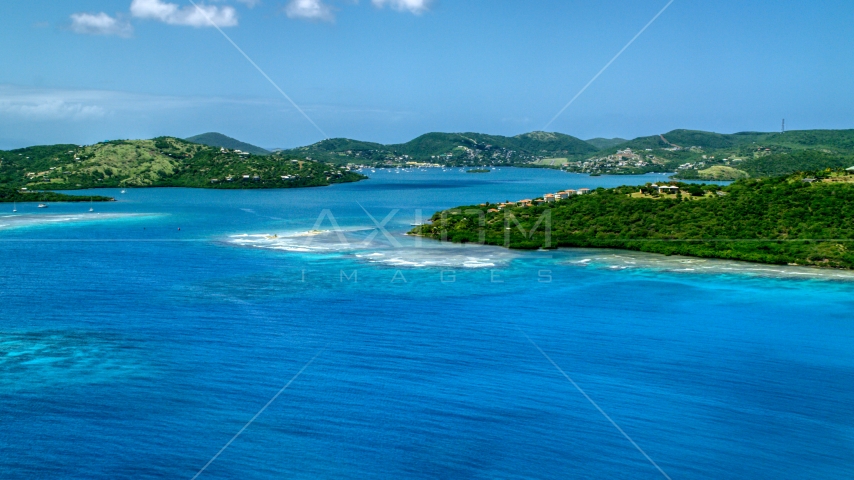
[[803, 219]]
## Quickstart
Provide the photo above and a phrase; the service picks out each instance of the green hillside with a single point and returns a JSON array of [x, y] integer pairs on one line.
[[170, 161], [603, 143], [219, 140], [701, 155], [551, 144], [342, 150], [775, 220], [840, 140], [690, 153], [451, 149], [161, 162]]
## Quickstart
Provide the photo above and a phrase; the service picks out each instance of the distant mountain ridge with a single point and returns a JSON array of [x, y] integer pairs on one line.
[[693, 154], [842, 140], [454, 148], [198, 162], [213, 139]]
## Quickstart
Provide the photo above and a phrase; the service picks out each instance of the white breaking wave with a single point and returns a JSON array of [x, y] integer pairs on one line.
[[367, 245]]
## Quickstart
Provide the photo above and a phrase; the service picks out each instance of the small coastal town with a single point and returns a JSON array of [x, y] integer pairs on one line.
[[624, 161]]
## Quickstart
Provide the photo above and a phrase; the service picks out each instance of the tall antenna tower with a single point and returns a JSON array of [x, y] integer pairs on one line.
[[784, 126]]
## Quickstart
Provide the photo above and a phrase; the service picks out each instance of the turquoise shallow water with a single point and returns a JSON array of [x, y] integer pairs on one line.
[[130, 348]]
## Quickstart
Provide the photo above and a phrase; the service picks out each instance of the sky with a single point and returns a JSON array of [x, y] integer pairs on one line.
[[83, 71]]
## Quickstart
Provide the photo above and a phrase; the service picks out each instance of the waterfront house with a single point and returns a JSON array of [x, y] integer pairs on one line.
[[525, 203], [246, 177], [549, 198], [668, 189], [561, 195], [229, 179], [256, 178], [850, 169], [583, 191], [570, 193]]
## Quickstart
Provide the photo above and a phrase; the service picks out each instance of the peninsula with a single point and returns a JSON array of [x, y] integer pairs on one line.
[[802, 219], [9, 195]]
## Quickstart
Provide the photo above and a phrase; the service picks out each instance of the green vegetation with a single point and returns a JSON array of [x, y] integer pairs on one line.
[[170, 161], [9, 195], [695, 154], [775, 220], [219, 140], [161, 162], [690, 153], [479, 170], [785, 163], [603, 143], [454, 149]]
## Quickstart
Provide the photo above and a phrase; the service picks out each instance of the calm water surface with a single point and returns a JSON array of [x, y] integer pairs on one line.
[[130, 348]]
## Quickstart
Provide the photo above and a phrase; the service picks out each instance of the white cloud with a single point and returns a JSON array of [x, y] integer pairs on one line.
[[191, 16], [42, 108], [100, 24], [37, 104], [309, 10], [413, 6]]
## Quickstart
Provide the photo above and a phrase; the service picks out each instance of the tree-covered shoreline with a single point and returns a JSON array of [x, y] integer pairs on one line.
[[8, 195], [798, 219]]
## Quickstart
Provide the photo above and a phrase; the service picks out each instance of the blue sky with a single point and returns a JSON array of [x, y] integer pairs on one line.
[[389, 70]]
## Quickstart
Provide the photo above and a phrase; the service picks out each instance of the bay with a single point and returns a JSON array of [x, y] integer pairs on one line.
[[137, 340]]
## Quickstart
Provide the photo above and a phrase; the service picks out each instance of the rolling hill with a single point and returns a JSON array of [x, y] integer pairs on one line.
[[168, 161], [451, 149], [603, 143], [841, 140], [702, 155], [160, 162], [213, 139]]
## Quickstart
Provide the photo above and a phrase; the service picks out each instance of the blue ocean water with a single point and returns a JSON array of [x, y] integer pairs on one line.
[[130, 348]]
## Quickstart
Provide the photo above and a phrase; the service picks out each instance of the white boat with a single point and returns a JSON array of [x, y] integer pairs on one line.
[[15, 207], [91, 206], [123, 191], [42, 205]]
